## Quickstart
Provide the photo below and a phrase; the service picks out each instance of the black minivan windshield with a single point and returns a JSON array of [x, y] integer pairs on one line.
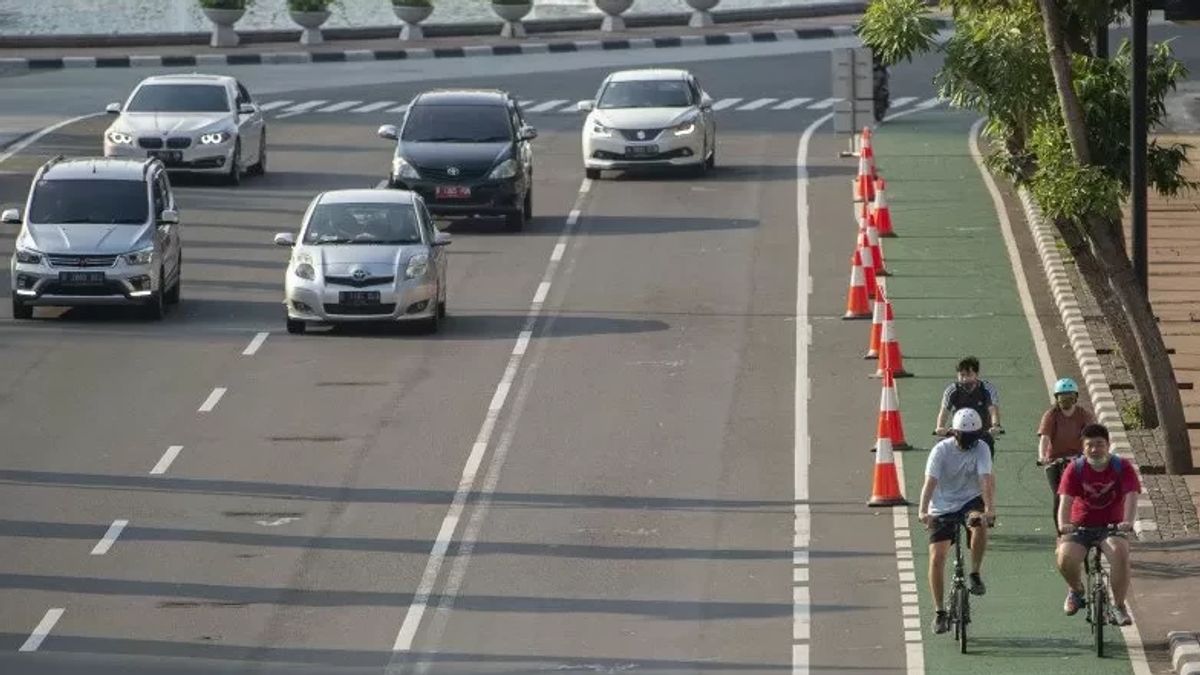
[[457, 124], [100, 201], [179, 98]]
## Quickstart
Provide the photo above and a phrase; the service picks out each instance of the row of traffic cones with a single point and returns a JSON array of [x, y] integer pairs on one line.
[[867, 265]]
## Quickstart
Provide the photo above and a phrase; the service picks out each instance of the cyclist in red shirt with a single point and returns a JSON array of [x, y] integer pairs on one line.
[[1097, 489]]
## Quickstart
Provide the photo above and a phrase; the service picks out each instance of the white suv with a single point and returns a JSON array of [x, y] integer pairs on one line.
[[97, 232]]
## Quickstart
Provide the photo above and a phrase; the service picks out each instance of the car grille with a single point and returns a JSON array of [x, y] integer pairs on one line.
[[81, 260], [440, 174], [360, 310], [106, 288], [351, 281], [632, 134], [150, 142], [179, 142]]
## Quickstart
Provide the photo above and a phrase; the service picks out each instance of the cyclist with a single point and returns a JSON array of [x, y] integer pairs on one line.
[[968, 391], [1098, 489], [1060, 434], [958, 482]]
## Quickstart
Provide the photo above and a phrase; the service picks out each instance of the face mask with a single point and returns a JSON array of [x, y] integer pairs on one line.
[[967, 439], [1066, 402]]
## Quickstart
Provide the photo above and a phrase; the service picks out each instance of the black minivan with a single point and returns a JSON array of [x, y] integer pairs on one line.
[[467, 152]]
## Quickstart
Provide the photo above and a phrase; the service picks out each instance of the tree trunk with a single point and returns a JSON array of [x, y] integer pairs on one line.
[[1060, 64], [1094, 277], [1154, 353]]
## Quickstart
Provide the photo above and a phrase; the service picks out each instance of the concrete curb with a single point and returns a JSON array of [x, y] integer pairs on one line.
[[1185, 652], [1103, 402], [355, 55]]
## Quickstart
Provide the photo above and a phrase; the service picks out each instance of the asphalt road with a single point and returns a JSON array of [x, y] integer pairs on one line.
[[614, 494]]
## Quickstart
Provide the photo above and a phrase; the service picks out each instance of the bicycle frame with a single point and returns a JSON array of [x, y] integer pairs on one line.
[[960, 602], [1098, 586]]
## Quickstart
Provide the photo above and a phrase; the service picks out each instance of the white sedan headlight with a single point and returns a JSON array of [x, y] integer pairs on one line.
[[418, 265], [685, 128], [215, 137], [402, 169], [303, 267], [143, 256], [600, 130], [119, 138]]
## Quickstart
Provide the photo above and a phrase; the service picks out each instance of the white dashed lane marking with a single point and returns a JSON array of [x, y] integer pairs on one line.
[[110, 537], [167, 458], [212, 400]]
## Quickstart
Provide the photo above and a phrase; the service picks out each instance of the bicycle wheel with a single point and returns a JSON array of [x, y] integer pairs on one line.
[[1099, 614], [964, 618]]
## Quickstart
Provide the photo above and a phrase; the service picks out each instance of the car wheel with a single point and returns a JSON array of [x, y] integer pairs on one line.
[[296, 327], [177, 288], [434, 322], [592, 174], [234, 177], [517, 219], [260, 167], [20, 310], [154, 309], [711, 162]]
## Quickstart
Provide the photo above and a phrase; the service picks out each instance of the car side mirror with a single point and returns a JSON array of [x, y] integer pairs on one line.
[[168, 217], [11, 217], [285, 239], [389, 132], [113, 109], [585, 106], [441, 238], [528, 133], [247, 109]]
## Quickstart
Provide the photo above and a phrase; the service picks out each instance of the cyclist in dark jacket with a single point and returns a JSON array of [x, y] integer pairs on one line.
[[971, 392]]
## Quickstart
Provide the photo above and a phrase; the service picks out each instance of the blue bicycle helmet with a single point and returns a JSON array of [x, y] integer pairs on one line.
[[1066, 386]]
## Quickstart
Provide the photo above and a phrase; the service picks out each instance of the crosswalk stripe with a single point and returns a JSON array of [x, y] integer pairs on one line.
[[372, 107], [725, 103], [821, 105], [524, 103], [903, 101], [792, 103], [340, 105], [302, 107], [546, 106], [398, 109], [759, 103], [266, 107]]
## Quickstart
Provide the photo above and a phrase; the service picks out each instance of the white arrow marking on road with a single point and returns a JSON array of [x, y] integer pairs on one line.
[[110, 537], [792, 103], [725, 103], [372, 107], [301, 108], [168, 457], [759, 103], [546, 107], [273, 105], [928, 103], [903, 101], [340, 105], [822, 105], [43, 629]]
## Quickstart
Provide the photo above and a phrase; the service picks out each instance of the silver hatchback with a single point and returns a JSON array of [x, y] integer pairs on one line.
[[365, 255]]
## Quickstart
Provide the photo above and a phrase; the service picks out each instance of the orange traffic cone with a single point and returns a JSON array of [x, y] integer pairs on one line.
[[876, 250], [890, 359], [881, 215], [870, 265], [873, 343], [857, 302], [889, 414], [885, 488], [864, 188], [869, 153]]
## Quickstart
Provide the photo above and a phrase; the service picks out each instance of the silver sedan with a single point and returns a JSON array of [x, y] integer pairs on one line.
[[365, 255]]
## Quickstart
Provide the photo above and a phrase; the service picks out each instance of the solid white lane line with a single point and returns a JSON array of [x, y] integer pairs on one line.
[[792, 103], [252, 348], [40, 134], [546, 106], [914, 647], [725, 103], [300, 108], [110, 537], [372, 107], [802, 451], [212, 400], [339, 106], [43, 629], [559, 250], [267, 107], [522, 343], [165, 463], [902, 101], [757, 103], [573, 216], [542, 289], [823, 104]]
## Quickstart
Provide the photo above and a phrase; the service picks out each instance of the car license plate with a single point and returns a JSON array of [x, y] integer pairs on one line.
[[81, 277], [167, 156], [638, 150], [359, 298], [453, 192]]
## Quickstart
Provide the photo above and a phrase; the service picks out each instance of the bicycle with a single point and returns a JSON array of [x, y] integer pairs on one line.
[[960, 597], [1098, 588], [1059, 462]]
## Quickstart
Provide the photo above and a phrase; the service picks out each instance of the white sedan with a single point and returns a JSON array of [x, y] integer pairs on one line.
[[654, 117]]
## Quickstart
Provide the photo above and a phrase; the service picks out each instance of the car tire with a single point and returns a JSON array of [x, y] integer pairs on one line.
[[234, 177], [155, 308], [711, 162], [20, 310], [177, 288], [296, 326], [431, 325], [260, 167], [592, 174], [517, 219]]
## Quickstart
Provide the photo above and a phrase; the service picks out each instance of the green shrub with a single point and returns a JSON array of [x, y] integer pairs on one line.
[[413, 3], [310, 5], [226, 4]]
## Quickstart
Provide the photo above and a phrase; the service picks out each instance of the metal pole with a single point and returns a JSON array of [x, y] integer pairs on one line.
[[1137, 145], [1102, 42]]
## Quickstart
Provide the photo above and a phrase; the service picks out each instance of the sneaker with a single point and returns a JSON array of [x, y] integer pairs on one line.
[[941, 623], [976, 586], [1121, 617], [1074, 603]]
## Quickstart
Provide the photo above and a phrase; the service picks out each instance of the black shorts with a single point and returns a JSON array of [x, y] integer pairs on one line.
[[945, 531], [1086, 539]]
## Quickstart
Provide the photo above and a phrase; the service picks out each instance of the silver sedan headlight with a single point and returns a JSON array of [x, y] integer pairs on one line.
[[684, 128], [28, 256], [119, 138], [143, 256], [215, 137], [600, 130], [303, 267], [418, 265]]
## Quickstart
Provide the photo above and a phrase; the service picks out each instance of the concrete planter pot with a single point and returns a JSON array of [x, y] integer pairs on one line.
[[701, 16], [512, 15], [412, 16], [311, 22], [613, 9], [223, 34]]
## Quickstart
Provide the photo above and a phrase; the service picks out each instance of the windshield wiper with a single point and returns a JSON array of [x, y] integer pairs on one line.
[[332, 240]]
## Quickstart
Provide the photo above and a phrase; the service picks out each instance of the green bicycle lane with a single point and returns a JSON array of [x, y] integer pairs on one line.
[[954, 293]]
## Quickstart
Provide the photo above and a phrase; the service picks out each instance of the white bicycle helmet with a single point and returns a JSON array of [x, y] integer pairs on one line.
[[966, 420]]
